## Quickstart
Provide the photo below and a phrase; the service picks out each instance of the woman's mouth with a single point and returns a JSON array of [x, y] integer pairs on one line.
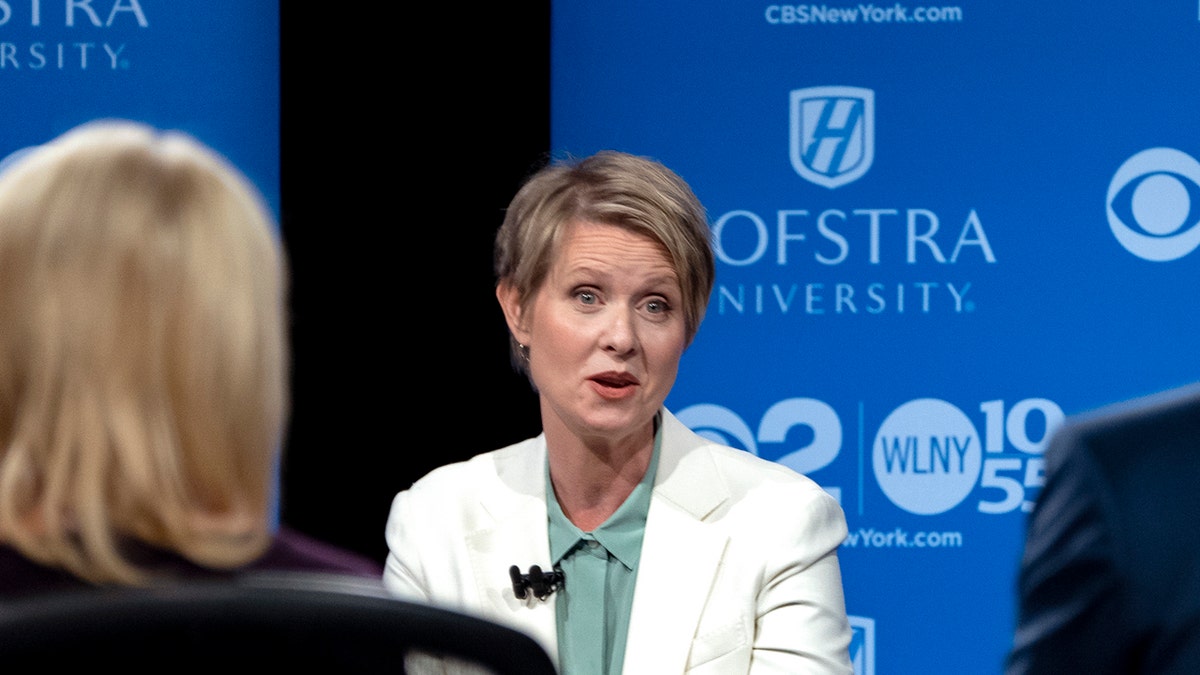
[[614, 385]]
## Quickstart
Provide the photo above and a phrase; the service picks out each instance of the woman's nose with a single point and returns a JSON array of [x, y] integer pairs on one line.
[[619, 334]]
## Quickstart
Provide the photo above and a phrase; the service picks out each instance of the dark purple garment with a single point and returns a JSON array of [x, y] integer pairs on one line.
[[291, 551]]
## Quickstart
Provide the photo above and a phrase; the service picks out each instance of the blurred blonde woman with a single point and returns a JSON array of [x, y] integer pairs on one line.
[[143, 367]]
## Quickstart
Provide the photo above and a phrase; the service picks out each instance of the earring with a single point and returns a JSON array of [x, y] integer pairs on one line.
[[524, 349]]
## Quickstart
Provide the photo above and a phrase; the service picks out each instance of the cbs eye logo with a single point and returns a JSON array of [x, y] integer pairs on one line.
[[1154, 204]]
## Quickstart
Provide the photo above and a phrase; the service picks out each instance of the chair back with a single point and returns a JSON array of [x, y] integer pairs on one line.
[[318, 622]]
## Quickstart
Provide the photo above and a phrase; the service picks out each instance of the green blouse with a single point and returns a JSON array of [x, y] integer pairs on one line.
[[600, 570]]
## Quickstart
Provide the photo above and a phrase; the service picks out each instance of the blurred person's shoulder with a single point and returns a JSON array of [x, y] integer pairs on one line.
[[20, 576], [294, 551]]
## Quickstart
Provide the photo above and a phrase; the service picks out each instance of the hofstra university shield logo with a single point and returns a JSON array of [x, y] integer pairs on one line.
[[862, 645], [832, 134]]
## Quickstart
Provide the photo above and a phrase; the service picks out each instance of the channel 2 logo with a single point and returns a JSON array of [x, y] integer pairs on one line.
[[832, 134], [1153, 204]]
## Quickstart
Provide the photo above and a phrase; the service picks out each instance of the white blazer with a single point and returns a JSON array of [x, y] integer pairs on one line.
[[738, 571]]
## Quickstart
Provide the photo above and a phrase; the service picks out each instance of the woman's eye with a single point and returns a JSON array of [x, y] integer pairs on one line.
[[657, 306], [586, 297]]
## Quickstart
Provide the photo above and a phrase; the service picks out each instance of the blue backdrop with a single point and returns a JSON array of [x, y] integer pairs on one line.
[[940, 228], [209, 68]]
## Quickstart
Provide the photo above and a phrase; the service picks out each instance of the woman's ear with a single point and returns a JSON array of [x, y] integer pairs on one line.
[[510, 304]]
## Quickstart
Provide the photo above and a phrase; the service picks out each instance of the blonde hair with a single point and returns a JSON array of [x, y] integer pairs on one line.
[[143, 359]]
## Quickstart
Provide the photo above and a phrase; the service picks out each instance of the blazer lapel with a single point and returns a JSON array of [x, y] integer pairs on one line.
[[513, 531], [680, 555]]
